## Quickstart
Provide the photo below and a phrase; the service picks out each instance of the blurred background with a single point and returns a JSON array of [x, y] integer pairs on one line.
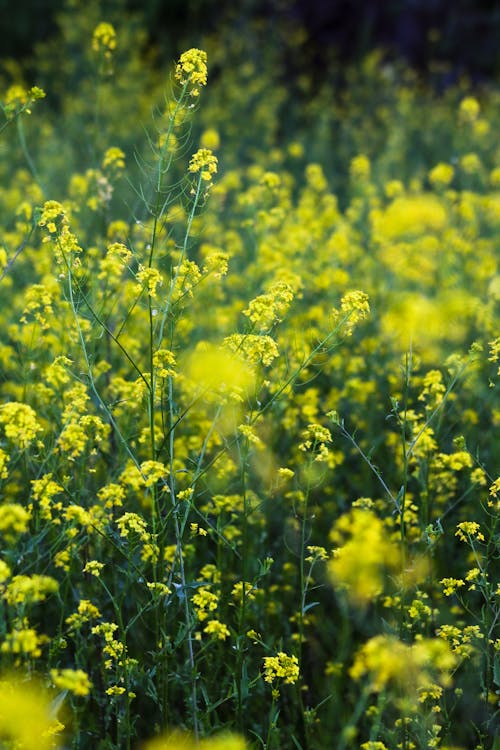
[[440, 38]]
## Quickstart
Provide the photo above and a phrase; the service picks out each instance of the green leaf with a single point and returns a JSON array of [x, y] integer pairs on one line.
[[496, 670]]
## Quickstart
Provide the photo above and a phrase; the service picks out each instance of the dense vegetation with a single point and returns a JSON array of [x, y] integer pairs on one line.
[[249, 362]]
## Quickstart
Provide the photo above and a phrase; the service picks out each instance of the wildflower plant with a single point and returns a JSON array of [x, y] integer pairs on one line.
[[249, 484]]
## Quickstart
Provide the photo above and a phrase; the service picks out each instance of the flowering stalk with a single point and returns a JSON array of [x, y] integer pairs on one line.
[[191, 73]]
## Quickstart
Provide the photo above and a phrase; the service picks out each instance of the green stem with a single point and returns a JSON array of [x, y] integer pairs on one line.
[[89, 366], [26, 153], [271, 731]]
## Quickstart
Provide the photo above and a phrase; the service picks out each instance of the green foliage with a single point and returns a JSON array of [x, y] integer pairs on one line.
[[249, 370]]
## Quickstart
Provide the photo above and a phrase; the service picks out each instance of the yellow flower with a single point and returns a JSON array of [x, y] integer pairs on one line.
[[114, 159], [386, 660], [441, 175], [204, 601], [30, 589], [25, 714], [210, 139], [94, 568], [17, 99], [149, 279], [130, 523], [75, 680], [23, 641], [160, 589], [38, 305], [364, 556], [104, 39], [164, 363], [5, 571], [191, 70], [115, 690], [153, 472], [410, 216], [52, 214], [217, 264], [243, 588], [281, 667], [470, 163], [111, 495], [249, 433], [14, 519], [182, 741], [450, 585], [216, 629], [394, 188], [85, 613], [469, 109], [360, 167], [111, 267], [295, 150], [254, 348], [268, 309], [316, 439], [316, 553], [315, 178], [204, 162], [354, 307], [495, 177], [469, 530], [495, 488], [218, 371], [20, 423]]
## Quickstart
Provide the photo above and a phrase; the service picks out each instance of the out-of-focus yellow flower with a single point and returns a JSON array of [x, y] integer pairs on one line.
[[409, 216], [441, 175], [469, 109], [18, 99], [364, 555], [210, 139], [25, 718], [470, 163], [20, 423], [104, 40], [359, 168], [114, 159], [75, 680], [183, 741], [216, 370], [385, 660]]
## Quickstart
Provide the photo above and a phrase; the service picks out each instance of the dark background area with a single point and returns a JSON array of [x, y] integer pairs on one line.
[[462, 36]]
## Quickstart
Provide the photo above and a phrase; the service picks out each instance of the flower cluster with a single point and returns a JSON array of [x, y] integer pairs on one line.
[[204, 163], [104, 40], [281, 668], [191, 70]]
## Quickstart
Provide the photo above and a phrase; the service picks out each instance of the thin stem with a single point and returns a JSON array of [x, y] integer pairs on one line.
[[265, 407], [16, 255], [27, 155], [372, 466], [89, 366]]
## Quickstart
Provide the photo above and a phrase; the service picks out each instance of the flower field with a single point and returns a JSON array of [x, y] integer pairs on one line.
[[249, 411]]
